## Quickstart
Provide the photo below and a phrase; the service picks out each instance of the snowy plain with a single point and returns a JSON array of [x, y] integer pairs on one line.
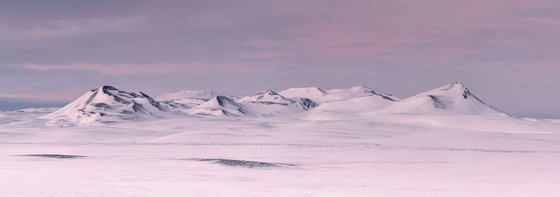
[[445, 142]]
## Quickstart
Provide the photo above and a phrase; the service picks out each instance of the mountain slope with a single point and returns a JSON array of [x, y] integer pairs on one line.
[[108, 104], [350, 108]]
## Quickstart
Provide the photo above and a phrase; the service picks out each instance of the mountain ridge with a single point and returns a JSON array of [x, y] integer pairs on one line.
[[108, 104]]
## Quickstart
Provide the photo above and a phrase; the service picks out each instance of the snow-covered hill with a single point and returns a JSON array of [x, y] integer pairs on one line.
[[350, 108], [320, 96], [190, 98], [314, 93], [454, 98], [219, 106], [108, 104], [269, 103]]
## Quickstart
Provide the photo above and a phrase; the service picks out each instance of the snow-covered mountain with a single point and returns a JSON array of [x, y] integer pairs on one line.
[[313, 93], [108, 104], [358, 101], [190, 98], [359, 104], [219, 106], [268, 103], [453, 98], [266, 97], [320, 96]]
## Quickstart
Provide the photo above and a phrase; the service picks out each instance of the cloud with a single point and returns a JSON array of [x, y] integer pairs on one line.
[[154, 68], [69, 27], [429, 31], [544, 21]]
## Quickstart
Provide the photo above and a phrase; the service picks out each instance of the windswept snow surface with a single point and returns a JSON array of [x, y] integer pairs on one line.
[[360, 146]]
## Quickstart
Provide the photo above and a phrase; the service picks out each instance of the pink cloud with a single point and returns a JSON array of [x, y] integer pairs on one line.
[[435, 30], [548, 65], [69, 27], [156, 68], [545, 21]]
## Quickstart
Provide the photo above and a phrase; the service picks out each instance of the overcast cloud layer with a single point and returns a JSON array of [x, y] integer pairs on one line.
[[505, 51]]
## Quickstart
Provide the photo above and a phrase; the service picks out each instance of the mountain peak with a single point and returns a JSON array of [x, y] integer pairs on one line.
[[313, 90], [190, 98], [267, 92], [362, 89], [105, 88], [219, 106], [313, 93], [457, 87], [266, 96], [108, 87]]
